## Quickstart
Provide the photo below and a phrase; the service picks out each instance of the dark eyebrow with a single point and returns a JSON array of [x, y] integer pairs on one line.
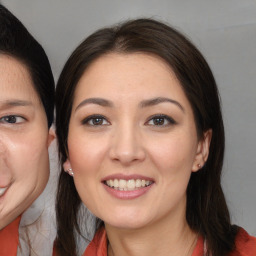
[[158, 100], [97, 101], [15, 103]]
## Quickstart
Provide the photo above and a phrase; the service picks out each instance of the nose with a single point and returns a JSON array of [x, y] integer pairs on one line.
[[127, 145]]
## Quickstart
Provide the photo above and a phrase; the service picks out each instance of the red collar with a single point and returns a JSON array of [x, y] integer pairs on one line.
[[98, 246], [245, 245], [9, 237]]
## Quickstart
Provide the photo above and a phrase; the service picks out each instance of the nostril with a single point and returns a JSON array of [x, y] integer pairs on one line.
[[126, 146], [127, 157]]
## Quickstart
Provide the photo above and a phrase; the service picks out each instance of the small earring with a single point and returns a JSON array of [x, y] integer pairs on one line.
[[199, 166], [70, 172]]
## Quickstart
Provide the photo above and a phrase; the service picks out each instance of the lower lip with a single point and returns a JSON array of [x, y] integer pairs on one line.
[[129, 194]]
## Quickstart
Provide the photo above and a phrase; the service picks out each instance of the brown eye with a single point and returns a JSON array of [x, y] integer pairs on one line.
[[160, 120], [12, 119], [95, 121]]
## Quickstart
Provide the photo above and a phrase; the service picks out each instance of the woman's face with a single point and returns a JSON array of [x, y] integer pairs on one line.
[[24, 140], [132, 141]]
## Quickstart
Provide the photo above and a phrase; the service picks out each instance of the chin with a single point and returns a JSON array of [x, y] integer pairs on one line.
[[7, 218], [12, 211], [126, 223]]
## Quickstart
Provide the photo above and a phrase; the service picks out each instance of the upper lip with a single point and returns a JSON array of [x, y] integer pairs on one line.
[[120, 176]]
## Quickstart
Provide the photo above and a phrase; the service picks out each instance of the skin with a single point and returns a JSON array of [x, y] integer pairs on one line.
[[127, 141], [24, 141]]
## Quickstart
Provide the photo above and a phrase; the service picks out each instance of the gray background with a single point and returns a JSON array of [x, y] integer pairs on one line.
[[224, 31]]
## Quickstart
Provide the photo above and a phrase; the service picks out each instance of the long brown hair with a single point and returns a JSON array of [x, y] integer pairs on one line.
[[207, 212]]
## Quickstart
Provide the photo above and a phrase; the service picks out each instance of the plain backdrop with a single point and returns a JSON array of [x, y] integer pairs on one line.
[[224, 31]]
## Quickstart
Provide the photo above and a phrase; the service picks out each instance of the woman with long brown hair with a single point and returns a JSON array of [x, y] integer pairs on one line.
[[141, 143]]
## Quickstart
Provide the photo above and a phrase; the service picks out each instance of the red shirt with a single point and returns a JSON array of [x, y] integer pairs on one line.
[[245, 245], [9, 238]]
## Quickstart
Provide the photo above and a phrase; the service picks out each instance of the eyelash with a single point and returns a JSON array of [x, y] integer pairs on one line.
[[12, 118], [101, 119], [164, 118], [93, 118]]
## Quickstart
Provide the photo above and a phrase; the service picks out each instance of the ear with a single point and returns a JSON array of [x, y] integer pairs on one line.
[[67, 165], [51, 136], [202, 151]]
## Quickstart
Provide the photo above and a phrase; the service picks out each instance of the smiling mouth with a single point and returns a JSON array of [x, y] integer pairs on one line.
[[128, 185], [2, 190]]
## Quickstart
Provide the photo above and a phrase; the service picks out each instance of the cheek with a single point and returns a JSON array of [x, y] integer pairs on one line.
[[173, 153], [27, 168], [87, 159], [29, 161], [173, 159], [86, 154]]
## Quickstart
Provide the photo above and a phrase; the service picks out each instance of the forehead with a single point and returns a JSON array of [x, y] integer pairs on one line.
[[132, 75], [15, 80], [109, 66]]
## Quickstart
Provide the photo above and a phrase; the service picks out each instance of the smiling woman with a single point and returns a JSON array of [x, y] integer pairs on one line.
[[22, 120], [141, 136], [26, 114], [146, 134]]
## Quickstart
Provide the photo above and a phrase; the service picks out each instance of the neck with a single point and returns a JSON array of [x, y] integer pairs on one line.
[[166, 237]]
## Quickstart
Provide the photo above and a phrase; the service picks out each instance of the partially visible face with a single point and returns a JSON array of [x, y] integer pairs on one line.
[[24, 140], [132, 141]]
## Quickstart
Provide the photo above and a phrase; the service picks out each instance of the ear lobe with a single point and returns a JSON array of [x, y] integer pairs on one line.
[[67, 168], [67, 165], [51, 136], [202, 151]]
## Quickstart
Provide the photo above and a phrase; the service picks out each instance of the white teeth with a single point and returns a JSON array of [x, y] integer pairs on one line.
[[116, 183], [138, 183], [128, 184], [2, 190], [122, 183], [110, 183]]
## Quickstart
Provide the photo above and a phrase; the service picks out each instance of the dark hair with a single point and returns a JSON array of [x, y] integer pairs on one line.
[[17, 42], [207, 212]]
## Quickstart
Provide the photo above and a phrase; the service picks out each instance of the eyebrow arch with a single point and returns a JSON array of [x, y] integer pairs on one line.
[[97, 101], [158, 100], [14, 103]]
